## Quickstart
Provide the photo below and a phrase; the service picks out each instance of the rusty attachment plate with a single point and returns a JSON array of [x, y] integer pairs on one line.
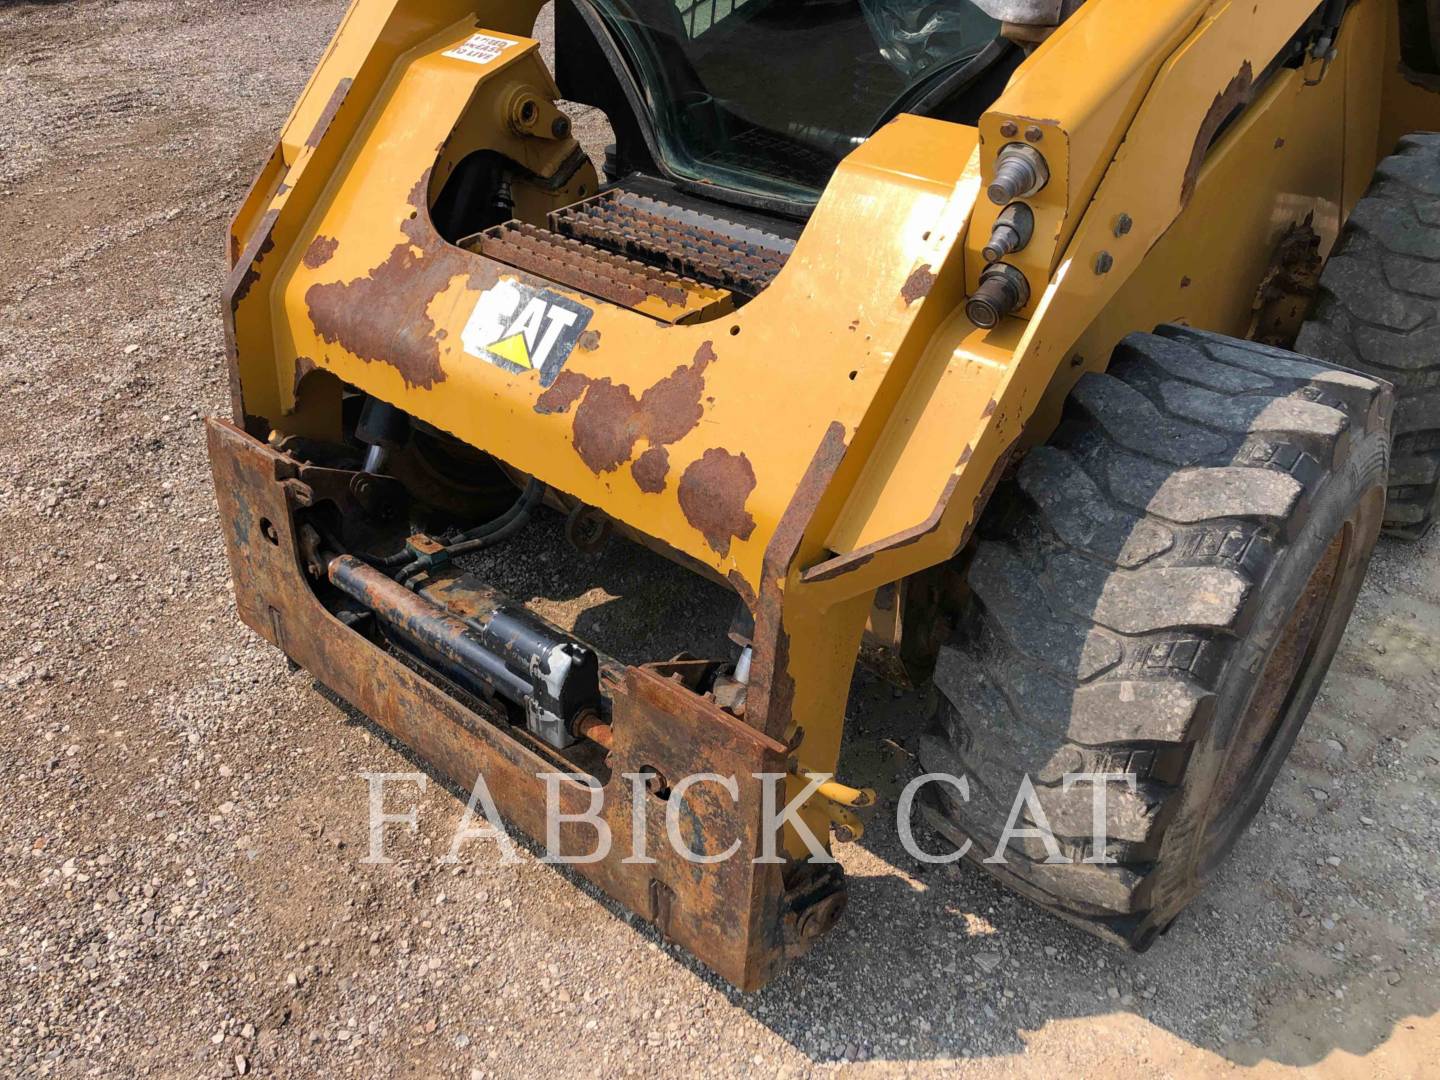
[[744, 919]]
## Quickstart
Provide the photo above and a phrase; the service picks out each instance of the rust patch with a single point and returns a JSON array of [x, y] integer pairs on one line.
[[610, 420], [320, 251], [918, 284], [1236, 93], [589, 340], [670, 409], [1288, 288], [252, 271], [742, 589], [562, 393], [650, 470], [322, 122], [607, 426], [713, 492], [383, 317]]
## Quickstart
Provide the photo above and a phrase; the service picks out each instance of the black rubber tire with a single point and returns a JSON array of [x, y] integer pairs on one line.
[[1378, 311], [1131, 590]]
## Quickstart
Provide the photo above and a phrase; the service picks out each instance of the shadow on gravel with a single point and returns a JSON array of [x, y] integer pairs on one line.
[[635, 605], [935, 963], [1246, 972]]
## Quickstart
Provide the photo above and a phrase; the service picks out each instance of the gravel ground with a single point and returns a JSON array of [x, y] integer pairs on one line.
[[181, 891]]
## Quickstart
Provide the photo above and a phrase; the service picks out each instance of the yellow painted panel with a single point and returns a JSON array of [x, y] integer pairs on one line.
[[1361, 62], [1146, 182], [373, 33], [832, 339], [932, 429], [1079, 90]]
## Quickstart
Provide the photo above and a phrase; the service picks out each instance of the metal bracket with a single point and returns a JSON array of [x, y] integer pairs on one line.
[[1322, 48], [838, 802]]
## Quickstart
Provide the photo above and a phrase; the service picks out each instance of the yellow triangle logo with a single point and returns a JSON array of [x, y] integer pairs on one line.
[[512, 349]]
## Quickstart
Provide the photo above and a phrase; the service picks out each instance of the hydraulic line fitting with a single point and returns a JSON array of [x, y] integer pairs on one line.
[[1020, 171], [1002, 290], [1012, 231]]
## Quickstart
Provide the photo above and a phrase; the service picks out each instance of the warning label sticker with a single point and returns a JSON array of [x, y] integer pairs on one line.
[[522, 329], [480, 49]]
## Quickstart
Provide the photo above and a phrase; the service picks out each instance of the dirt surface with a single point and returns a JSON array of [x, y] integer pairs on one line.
[[183, 819]]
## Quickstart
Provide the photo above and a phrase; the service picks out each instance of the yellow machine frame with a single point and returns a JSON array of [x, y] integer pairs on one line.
[[845, 427]]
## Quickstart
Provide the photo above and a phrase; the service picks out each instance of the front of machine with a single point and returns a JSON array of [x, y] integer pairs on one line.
[[791, 338]]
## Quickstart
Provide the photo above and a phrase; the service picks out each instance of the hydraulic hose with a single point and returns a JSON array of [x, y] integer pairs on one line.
[[476, 539]]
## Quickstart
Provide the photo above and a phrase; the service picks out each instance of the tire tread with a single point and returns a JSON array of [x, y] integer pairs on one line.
[[1378, 311], [1112, 576]]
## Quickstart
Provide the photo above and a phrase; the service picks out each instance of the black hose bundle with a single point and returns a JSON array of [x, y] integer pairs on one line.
[[483, 536]]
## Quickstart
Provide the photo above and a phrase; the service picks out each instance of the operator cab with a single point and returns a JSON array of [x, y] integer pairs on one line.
[[755, 102]]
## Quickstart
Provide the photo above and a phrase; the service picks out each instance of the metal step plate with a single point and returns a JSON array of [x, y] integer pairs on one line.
[[697, 245], [652, 291]]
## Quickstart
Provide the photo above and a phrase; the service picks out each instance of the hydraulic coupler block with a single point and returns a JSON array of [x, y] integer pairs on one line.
[[497, 649]]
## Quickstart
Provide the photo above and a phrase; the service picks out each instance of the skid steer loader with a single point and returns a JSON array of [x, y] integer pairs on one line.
[[1056, 354]]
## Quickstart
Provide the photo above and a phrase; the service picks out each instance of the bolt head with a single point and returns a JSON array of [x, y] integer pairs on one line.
[[1033, 133], [1009, 129], [1123, 224], [1104, 262]]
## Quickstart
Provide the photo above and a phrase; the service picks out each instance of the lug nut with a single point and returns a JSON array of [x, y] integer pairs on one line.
[[1012, 231], [1020, 171], [1002, 290]]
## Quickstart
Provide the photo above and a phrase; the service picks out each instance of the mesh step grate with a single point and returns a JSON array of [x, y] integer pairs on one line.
[[581, 266], [685, 242]]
